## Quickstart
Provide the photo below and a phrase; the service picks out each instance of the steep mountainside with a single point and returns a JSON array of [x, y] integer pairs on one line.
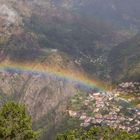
[[46, 25], [125, 11], [37, 92], [124, 60]]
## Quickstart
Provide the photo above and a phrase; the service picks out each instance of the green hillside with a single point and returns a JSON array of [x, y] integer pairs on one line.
[[124, 60]]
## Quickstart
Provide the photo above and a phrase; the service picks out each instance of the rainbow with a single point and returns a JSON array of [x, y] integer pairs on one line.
[[54, 71]]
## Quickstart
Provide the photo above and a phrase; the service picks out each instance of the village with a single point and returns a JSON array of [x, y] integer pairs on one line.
[[106, 110]]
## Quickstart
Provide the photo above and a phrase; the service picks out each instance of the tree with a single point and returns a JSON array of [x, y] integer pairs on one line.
[[98, 133], [15, 124]]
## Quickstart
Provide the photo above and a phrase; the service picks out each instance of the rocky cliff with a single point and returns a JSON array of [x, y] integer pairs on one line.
[[40, 93]]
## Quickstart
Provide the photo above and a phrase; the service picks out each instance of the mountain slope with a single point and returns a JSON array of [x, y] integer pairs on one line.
[[124, 60], [38, 25]]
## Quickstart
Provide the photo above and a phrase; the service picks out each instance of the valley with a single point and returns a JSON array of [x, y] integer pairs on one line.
[[72, 63]]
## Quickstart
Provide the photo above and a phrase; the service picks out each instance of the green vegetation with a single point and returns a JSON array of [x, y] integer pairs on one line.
[[15, 124], [133, 98], [124, 61], [97, 133], [50, 128]]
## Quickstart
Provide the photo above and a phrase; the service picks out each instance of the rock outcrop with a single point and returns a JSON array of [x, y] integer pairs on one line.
[[39, 93]]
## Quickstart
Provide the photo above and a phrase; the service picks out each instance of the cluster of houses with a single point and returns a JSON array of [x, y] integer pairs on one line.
[[107, 110], [129, 87]]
